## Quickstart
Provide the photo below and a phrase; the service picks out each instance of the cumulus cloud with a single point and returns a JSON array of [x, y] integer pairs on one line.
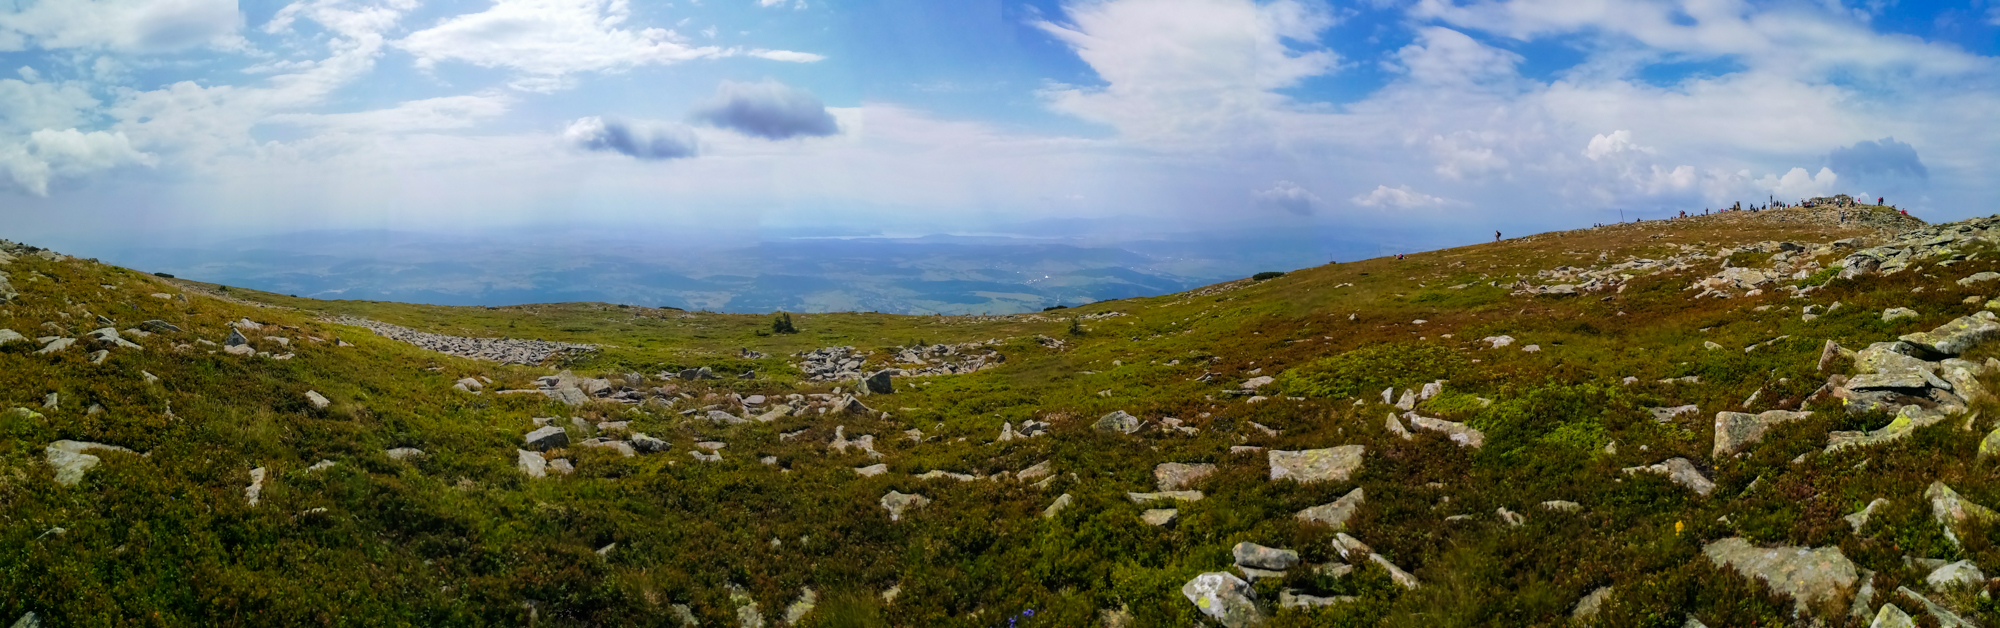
[[1289, 197], [1801, 184], [48, 154], [1886, 156], [131, 25], [28, 106], [1189, 70], [651, 142], [449, 112], [1399, 197], [1618, 142], [548, 40], [770, 110]]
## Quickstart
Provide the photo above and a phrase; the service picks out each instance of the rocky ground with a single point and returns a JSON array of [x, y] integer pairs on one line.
[[1769, 418]]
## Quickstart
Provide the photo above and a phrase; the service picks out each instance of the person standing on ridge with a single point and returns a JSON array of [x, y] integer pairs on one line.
[[1496, 236]]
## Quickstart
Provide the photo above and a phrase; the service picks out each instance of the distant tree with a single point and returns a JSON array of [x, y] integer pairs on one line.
[[1057, 306], [165, 275], [1075, 328], [782, 324], [1269, 274]]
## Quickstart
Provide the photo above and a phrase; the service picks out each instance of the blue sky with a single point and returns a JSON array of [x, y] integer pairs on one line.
[[125, 120]]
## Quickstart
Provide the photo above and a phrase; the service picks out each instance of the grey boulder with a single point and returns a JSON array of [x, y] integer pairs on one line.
[[1337, 513], [1174, 476], [1118, 421], [1225, 598], [1316, 465], [1256, 556], [547, 438]]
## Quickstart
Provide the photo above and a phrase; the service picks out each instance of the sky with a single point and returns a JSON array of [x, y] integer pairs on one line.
[[1431, 121]]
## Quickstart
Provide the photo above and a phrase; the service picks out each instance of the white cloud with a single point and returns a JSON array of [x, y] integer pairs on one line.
[[548, 40], [787, 56], [1617, 143], [48, 154], [29, 106], [769, 3], [1464, 155], [449, 112], [132, 25], [1445, 56], [1798, 183], [1399, 197], [1180, 70], [1289, 197]]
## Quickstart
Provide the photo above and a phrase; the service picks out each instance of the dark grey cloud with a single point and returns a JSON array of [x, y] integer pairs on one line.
[[649, 142], [1887, 156], [770, 110]]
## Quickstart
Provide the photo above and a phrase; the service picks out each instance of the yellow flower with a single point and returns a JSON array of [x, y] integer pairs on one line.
[[1678, 526]]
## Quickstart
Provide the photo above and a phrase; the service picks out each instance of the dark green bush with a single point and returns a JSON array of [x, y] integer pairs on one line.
[[1372, 368]]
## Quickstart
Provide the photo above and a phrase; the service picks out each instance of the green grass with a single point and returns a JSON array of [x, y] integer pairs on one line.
[[462, 539]]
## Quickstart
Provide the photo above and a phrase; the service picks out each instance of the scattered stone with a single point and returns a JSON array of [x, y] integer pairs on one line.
[[1809, 576], [1186, 496], [9, 335], [871, 470], [531, 463], [1511, 518], [1737, 430], [1956, 337], [1062, 501], [1316, 465], [1945, 618], [879, 383], [547, 438], [406, 454], [1892, 617], [55, 344], [799, 609], [318, 401], [1897, 312], [1039, 471], [898, 503], [1664, 415], [1681, 472], [235, 339], [1337, 513], [1460, 433], [1859, 519], [1159, 516], [1396, 427], [1117, 421], [1562, 506], [70, 461], [1256, 556], [1950, 509], [1959, 574], [1225, 598], [1174, 476], [1291, 598], [256, 488], [1589, 605]]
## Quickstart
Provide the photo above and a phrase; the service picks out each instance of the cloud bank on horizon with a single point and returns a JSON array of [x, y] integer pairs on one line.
[[1466, 115]]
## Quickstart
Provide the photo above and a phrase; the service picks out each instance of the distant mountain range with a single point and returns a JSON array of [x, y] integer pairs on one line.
[[920, 275]]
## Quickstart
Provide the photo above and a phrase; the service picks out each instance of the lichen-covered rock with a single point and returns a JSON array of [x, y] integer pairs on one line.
[[1892, 617], [531, 463], [318, 401], [1117, 421], [1951, 509], [1681, 472], [1810, 576], [1860, 519], [1956, 337], [1147, 498], [1894, 313], [405, 454], [546, 438], [1316, 465], [1589, 605], [899, 503], [1337, 513], [1256, 556], [1737, 430], [1396, 427], [1908, 419], [1225, 598], [1959, 574], [1174, 476], [1056, 508], [1159, 516], [70, 462], [1459, 433]]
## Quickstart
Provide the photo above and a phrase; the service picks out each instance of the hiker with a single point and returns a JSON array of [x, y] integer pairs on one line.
[[1496, 236], [1878, 200]]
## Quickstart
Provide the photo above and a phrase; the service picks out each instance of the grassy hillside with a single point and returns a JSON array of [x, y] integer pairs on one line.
[[461, 536]]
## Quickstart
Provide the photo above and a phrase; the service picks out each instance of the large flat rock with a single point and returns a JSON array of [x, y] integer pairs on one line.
[[1810, 576], [1316, 465]]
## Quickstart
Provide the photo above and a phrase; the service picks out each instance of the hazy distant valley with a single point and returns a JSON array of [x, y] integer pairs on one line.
[[925, 275]]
